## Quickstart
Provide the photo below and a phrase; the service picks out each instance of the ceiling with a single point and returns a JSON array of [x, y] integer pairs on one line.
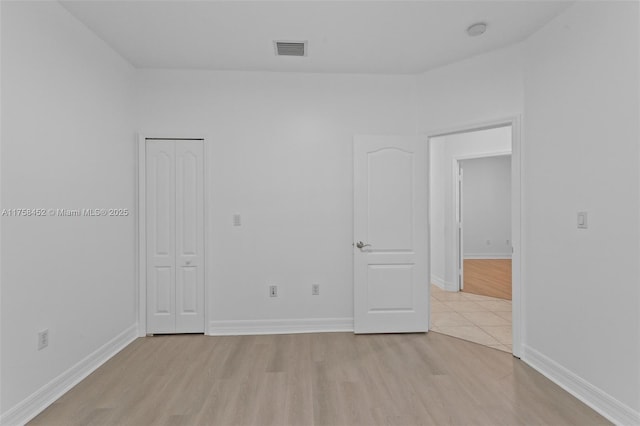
[[391, 37]]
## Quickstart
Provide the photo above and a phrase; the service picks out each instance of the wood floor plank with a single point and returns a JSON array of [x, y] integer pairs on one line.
[[315, 379], [488, 277]]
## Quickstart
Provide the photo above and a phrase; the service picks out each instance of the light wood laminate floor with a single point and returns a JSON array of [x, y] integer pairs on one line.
[[315, 379], [488, 277]]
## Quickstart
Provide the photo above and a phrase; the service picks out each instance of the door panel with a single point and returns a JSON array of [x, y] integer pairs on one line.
[[163, 294], [390, 197], [390, 288], [160, 236], [190, 236], [391, 279], [188, 168], [189, 295], [175, 236], [162, 200]]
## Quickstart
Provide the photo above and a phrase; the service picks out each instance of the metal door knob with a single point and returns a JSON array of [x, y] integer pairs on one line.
[[360, 245]]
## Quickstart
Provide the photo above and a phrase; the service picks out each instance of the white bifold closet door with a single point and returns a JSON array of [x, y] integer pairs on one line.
[[175, 236]]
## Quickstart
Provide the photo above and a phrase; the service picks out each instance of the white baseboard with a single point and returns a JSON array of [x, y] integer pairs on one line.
[[445, 285], [31, 406], [487, 255], [451, 286], [437, 281], [288, 326], [609, 407]]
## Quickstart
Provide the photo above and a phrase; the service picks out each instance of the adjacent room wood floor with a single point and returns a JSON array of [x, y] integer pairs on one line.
[[315, 379], [488, 277]]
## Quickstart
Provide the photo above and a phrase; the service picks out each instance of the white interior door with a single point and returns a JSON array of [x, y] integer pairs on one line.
[[391, 193], [175, 236]]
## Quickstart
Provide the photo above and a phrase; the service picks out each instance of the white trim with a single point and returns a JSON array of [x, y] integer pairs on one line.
[[141, 236], [458, 220], [35, 403], [472, 127], [487, 256], [208, 213], [517, 266], [605, 404], [445, 285], [451, 286], [488, 154], [280, 326], [1, 274], [437, 281], [517, 226], [141, 225]]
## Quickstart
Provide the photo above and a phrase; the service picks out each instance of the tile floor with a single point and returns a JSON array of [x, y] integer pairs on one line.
[[480, 319]]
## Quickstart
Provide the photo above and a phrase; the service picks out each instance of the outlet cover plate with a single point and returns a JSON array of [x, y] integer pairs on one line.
[[43, 339]]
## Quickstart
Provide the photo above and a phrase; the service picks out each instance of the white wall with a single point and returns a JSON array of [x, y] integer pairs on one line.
[[581, 154], [480, 89], [67, 142], [283, 160], [457, 146], [487, 207]]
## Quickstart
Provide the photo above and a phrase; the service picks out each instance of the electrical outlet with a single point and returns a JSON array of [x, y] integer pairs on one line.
[[488, 242], [273, 291], [43, 339], [315, 289]]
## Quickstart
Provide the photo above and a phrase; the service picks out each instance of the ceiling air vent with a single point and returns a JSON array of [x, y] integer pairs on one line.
[[291, 48]]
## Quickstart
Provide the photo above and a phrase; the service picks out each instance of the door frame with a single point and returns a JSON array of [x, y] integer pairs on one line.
[[141, 225], [459, 200], [517, 232]]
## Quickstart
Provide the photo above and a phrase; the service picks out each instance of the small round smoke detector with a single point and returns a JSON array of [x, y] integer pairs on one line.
[[477, 29]]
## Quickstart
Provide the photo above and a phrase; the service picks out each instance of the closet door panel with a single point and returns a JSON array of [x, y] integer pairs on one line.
[[190, 237], [161, 255]]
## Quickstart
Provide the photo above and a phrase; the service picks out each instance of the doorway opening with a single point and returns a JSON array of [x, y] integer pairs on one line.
[[475, 229], [484, 205]]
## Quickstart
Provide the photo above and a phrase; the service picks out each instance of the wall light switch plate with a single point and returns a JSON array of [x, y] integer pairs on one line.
[[237, 220], [582, 220]]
